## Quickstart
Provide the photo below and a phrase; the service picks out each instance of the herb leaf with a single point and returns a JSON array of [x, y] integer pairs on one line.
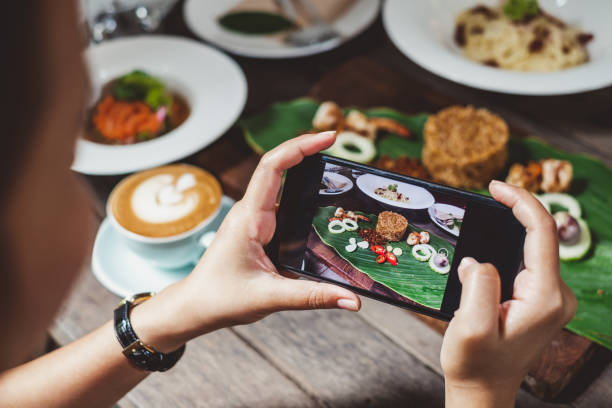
[[140, 86], [519, 9]]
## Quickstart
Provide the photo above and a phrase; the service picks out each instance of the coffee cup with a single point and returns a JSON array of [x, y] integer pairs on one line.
[[161, 214]]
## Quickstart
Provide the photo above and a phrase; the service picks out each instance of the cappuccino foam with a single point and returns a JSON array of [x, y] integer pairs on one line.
[[165, 201]]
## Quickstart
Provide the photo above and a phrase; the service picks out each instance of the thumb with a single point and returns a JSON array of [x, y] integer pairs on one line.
[[304, 295], [480, 295]]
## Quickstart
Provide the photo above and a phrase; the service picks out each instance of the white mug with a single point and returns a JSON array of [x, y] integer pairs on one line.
[[168, 252]]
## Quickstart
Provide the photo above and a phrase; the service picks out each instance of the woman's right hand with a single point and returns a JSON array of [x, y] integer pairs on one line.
[[488, 348]]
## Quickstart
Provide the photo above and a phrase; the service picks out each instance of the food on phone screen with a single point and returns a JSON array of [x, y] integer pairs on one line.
[[390, 193], [133, 108], [391, 226], [465, 147], [520, 36], [439, 263]]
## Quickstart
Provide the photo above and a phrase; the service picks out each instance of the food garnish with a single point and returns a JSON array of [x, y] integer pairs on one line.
[[548, 175], [397, 251], [349, 224], [352, 146], [389, 248], [413, 238], [255, 22], [381, 259], [378, 249], [363, 244], [336, 227], [422, 252], [351, 247], [391, 258], [465, 147], [390, 193], [519, 9], [439, 263], [329, 116], [573, 232]]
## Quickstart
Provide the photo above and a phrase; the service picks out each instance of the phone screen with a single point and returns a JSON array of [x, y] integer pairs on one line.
[[388, 236]]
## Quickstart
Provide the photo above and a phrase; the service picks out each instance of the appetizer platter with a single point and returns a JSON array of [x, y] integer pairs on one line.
[[530, 47], [446, 216], [575, 188], [411, 262], [263, 28], [155, 99], [334, 183], [395, 193]]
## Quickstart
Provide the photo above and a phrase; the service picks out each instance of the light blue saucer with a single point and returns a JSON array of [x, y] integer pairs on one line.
[[124, 273]]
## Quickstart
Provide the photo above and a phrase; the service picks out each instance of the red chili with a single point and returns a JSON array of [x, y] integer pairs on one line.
[[391, 258], [380, 259], [379, 249]]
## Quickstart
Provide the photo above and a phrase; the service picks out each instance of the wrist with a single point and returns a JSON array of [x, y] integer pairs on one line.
[[166, 322], [480, 394]]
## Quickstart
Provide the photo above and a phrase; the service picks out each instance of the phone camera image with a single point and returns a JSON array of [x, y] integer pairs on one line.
[[385, 236]]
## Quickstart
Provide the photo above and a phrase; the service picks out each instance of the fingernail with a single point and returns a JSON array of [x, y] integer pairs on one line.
[[467, 261], [347, 304], [327, 133], [496, 183]]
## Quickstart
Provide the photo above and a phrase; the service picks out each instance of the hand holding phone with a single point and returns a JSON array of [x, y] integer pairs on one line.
[[489, 347]]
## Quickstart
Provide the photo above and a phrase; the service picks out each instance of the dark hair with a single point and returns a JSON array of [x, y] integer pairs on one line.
[[21, 106]]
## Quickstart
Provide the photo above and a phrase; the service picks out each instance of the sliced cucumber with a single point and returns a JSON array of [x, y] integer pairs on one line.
[[422, 252], [561, 200], [442, 270], [352, 146], [580, 248]]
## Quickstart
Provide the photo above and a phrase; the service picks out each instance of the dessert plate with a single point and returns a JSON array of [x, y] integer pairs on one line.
[[124, 273], [212, 83], [423, 31]]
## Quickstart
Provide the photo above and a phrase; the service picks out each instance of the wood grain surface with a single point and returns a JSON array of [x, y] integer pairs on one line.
[[382, 356]]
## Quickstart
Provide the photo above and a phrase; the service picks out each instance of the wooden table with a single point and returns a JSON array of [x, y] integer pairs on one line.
[[382, 356]]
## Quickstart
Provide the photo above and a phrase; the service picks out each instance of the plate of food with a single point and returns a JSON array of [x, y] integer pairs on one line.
[[264, 28], [395, 193], [155, 99], [466, 147], [446, 216], [529, 47], [334, 183]]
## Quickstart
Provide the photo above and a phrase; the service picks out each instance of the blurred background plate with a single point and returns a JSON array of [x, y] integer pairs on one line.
[[212, 83], [202, 18], [423, 31]]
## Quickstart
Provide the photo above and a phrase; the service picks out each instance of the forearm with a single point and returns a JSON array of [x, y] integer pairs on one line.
[[90, 372]]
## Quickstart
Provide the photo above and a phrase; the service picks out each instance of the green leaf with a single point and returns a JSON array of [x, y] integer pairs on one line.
[[140, 86], [519, 9], [410, 278], [255, 22], [589, 278]]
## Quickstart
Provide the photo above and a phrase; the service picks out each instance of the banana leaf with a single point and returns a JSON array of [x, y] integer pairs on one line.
[[589, 278], [410, 278]]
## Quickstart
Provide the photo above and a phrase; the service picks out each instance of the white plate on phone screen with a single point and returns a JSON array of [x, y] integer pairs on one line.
[[202, 18], [212, 83], [423, 31], [418, 197], [124, 273]]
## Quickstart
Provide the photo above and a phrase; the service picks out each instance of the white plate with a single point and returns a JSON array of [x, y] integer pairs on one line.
[[212, 83], [423, 31], [201, 17], [450, 209], [124, 273], [337, 179], [418, 197]]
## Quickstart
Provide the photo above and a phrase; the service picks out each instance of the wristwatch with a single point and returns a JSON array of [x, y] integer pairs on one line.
[[139, 354]]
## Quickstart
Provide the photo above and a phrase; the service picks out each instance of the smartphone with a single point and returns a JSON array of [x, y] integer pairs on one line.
[[390, 237]]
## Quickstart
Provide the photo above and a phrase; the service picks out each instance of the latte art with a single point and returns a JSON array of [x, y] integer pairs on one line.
[[165, 201]]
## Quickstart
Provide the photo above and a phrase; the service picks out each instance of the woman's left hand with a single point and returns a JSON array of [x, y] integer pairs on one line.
[[235, 282]]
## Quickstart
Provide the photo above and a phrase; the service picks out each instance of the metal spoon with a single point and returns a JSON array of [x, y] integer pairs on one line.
[[318, 33]]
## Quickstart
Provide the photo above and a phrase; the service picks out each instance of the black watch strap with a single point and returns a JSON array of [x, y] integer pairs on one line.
[[140, 355]]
